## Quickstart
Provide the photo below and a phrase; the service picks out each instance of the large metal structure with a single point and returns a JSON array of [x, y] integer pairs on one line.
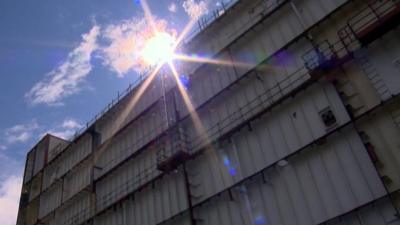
[[308, 135]]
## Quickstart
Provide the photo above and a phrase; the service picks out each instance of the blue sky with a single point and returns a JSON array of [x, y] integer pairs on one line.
[[61, 63]]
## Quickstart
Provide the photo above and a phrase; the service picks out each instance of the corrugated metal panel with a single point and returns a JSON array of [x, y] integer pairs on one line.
[[151, 205], [315, 10], [180, 220], [314, 186], [50, 200], [243, 51], [72, 156], [76, 211], [281, 73], [29, 166], [307, 106], [275, 31], [35, 187], [78, 179], [140, 133], [126, 178], [132, 107], [40, 156], [385, 57], [382, 133], [272, 36], [49, 220], [75, 154], [56, 145], [32, 211], [380, 213], [51, 173], [231, 25], [21, 219]]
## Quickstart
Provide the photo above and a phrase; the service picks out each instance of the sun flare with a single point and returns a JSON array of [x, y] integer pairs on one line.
[[159, 49]]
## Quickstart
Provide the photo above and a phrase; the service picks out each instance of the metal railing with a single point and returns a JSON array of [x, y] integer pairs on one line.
[[205, 21], [113, 102], [252, 107], [366, 17]]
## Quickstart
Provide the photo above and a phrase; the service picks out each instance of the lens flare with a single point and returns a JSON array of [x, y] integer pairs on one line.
[[159, 49]]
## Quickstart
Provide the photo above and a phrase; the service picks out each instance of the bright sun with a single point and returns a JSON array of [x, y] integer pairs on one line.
[[159, 49]]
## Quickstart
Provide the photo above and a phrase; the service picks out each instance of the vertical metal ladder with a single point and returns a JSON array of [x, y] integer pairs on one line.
[[362, 59]]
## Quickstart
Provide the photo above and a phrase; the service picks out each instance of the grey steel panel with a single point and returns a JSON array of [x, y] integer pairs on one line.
[[151, 205], [317, 185], [50, 200], [76, 211]]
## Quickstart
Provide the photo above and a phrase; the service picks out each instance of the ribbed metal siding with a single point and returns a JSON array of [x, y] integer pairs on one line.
[[72, 156], [284, 131], [77, 152], [282, 73], [40, 157], [126, 178], [276, 30], [49, 220], [76, 211], [235, 23], [55, 147], [29, 166], [380, 213], [385, 57], [318, 98], [51, 173], [78, 179], [130, 140], [50, 200], [151, 205], [32, 211], [314, 186], [383, 134], [35, 187], [128, 109]]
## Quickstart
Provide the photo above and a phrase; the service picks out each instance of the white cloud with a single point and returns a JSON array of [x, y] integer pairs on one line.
[[67, 129], [21, 132], [195, 9], [172, 7], [66, 79], [10, 190], [3, 147], [71, 124], [125, 41]]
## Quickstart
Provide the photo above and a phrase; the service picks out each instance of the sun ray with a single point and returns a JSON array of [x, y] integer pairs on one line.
[[131, 104], [161, 43], [148, 15], [199, 59], [200, 129], [192, 110], [184, 32]]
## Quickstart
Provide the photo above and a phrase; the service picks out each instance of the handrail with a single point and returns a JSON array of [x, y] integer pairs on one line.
[[207, 19], [364, 18]]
